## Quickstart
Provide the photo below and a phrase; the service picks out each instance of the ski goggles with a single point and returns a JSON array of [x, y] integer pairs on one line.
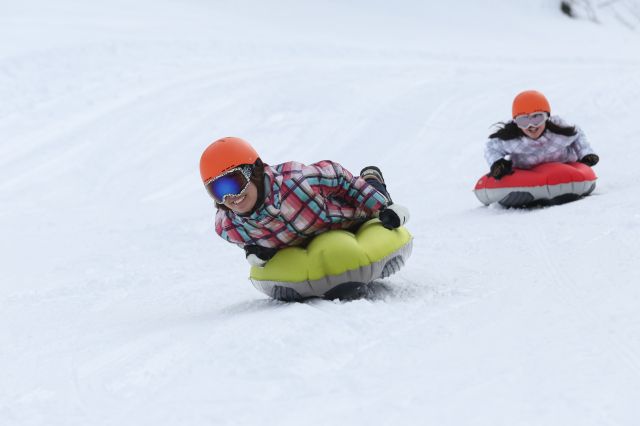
[[535, 119], [232, 183]]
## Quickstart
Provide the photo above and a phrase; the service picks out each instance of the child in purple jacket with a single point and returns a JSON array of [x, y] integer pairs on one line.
[[534, 136]]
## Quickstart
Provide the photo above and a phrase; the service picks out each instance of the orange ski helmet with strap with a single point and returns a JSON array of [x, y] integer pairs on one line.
[[225, 154], [528, 102]]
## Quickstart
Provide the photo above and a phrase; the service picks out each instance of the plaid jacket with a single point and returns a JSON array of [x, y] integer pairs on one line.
[[550, 147], [301, 201]]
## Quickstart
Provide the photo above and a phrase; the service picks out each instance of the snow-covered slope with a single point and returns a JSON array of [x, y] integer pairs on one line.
[[120, 305]]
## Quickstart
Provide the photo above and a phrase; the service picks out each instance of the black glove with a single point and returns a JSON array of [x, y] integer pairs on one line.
[[590, 160], [393, 216], [501, 168], [258, 255]]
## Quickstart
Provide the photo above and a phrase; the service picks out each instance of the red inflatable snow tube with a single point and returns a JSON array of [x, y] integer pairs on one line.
[[547, 183]]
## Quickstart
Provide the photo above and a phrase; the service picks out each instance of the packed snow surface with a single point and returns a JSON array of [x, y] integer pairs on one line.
[[119, 305]]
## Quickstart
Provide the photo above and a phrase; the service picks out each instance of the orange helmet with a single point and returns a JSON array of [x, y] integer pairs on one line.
[[528, 102], [225, 154]]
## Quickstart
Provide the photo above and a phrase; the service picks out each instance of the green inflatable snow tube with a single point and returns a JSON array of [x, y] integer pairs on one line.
[[334, 263]]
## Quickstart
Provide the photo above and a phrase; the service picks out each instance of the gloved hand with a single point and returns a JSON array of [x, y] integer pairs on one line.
[[256, 261], [590, 160], [393, 216], [501, 168], [258, 255]]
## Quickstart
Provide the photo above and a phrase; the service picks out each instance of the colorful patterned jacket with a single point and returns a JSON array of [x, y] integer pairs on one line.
[[550, 147], [301, 201]]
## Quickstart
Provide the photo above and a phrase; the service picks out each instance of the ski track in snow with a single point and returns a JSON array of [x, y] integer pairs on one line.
[[119, 305], [571, 293]]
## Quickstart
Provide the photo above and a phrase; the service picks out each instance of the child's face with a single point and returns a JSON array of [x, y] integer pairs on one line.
[[534, 132], [245, 202]]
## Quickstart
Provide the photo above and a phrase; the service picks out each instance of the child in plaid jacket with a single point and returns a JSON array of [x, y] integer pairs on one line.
[[285, 205]]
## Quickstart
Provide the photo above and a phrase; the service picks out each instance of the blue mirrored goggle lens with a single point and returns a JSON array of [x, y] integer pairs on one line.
[[229, 184]]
